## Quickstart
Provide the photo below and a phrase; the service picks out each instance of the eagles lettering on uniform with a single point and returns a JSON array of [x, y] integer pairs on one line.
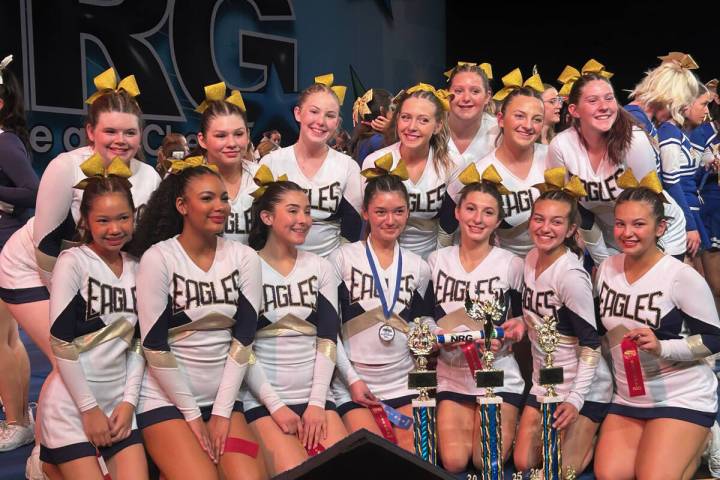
[[449, 289], [564, 291], [362, 287], [482, 143], [238, 223], [567, 150], [197, 327], [334, 194], [296, 337], [676, 303], [104, 298]]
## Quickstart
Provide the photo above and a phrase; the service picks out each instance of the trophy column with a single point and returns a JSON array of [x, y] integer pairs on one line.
[[420, 342]]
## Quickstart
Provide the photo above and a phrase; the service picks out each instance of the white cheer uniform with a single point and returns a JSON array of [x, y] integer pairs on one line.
[[238, 223], [482, 143]]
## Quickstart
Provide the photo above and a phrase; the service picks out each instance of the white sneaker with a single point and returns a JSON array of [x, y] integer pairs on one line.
[[712, 453], [33, 466], [13, 436]]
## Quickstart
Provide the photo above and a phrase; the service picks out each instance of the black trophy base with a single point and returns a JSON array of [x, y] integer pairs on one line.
[[551, 376], [490, 379], [426, 379]]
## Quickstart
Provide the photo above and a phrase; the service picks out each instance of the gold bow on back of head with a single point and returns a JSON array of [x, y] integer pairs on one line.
[[383, 166], [570, 75], [650, 181], [555, 180], [442, 95], [485, 67], [216, 93], [361, 108], [328, 79], [513, 81], [685, 60], [471, 175], [95, 167], [177, 166], [263, 179], [108, 81], [712, 85]]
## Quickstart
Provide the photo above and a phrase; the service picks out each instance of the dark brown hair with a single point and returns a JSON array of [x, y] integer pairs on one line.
[[518, 92], [97, 187], [644, 194], [115, 101], [384, 184], [564, 197], [258, 230], [490, 189]]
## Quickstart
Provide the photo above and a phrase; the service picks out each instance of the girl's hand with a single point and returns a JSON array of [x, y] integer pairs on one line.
[[197, 426], [362, 395], [288, 421], [121, 421], [565, 415], [97, 427], [645, 340], [218, 429], [314, 423], [514, 330]]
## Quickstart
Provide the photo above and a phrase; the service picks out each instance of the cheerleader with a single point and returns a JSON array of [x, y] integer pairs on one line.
[[18, 188], [295, 344], [602, 143], [225, 138], [485, 272], [330, 178], [519, 159], [557, 285], [90, 406], [419, 123], [553, 104], [381, 291], [371, 114], [661, 323], [472, 130], [198, 297]]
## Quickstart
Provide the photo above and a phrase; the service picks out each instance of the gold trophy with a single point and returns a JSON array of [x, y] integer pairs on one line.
[[421, 342]]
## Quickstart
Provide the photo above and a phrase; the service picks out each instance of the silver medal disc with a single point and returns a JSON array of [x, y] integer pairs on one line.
[[386, 333]]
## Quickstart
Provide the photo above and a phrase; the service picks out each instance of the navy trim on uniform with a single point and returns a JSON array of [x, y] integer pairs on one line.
[[595, 411], [393, 402], [515, 399], [68, 453], [170, 412], [257, 413], [704, 419], [18, 296]]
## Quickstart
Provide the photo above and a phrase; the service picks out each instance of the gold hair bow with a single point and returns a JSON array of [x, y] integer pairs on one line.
[[383, 166], [3, 65], [555, 180], [95, 167], [685, 60], [216, 93], [712, 85], [513, 81], [263, 179], [442, 95], [570, 75], [108, 81], [471, 175], [650, 181], [360, 107], [485, 67], [177, 166], [328, 80]]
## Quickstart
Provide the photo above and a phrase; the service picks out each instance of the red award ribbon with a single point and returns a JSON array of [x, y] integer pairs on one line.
[[383, 423], [633, 371], [103, 466], [472, 357], [238, 445], [315, 450]]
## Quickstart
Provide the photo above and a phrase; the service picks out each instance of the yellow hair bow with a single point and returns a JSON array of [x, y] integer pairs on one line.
[[555, 180], [650, 181], [177, 166], [471, 175], [107, 81], [513, 81], [442, 95], [328, 80], [360, 107], [712, 85], [263, 179], [216, 93], [685, 60], [95, 167], [383, 166], [485, 67], [570, 75]]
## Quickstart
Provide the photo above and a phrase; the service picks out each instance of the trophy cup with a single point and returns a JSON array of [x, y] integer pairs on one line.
[[489, 313], [421, 342]]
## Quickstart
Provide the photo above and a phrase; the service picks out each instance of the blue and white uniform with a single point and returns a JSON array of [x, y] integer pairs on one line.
[[498, 277], [564, 291], [334, 193], [197, 329], [95, 341], [705, 139], [674, 301]]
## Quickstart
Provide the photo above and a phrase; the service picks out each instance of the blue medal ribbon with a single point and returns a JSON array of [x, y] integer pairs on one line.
[[396, 418], [378, 286]]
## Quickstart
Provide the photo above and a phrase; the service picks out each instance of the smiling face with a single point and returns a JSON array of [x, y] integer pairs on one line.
[[417, 122], [553, 103], [204, 205], [550, 225], [469, 96], [478, 216], [318, 116], [116, 134], [636, 230], [597, 107], [386, 214], [290, 220], [110, 222], [522, 121], [226, 140]]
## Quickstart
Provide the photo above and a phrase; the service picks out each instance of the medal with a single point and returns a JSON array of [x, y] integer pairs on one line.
[[386, 333], [387, 310]]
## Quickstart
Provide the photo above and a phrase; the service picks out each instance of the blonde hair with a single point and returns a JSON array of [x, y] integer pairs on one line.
[[668, 86]]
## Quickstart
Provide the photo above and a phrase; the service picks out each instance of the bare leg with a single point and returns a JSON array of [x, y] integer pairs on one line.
[[237, 465], [177, 453], [617, 447], [13, 388], [455, 434], [129, 464]]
